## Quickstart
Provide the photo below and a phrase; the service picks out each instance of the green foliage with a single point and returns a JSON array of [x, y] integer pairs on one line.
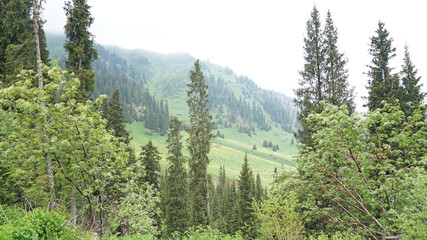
[[37, 224], [337, 236], [83, 154], [338, 90], [138, 210], [246, 196], [277, 217], [412, 218], [79, 45], [259, 192], [17, 44], [361, 180], [382, 84], [176, 187], [209, 234], [324, 77], [112, 111], [150, 158], [412, 96], [199, 145]]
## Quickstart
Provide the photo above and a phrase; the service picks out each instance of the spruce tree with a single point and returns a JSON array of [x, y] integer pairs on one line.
[[113, 112], [311, 90], [150, 161], [258, 189], [199, 144], [176, 210], [411, 91], [79, 45], [324, 77], [246, 196], [338, 91], [382, 83]]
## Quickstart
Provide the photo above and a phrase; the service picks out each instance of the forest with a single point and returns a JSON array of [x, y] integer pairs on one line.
[[70, 167]]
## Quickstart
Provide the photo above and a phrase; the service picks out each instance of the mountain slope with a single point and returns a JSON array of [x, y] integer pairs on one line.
[[245, 115]]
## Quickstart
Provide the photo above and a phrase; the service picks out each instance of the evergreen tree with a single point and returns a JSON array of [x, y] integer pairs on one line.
[[258, 189], [18, 38], [324, 77], [176, 211], [150, 161], [79, 45], [411, 87], [338, 90], [311, 90], [113, 112], [246, 196], [199, 144], [382, 84], [254, 147]]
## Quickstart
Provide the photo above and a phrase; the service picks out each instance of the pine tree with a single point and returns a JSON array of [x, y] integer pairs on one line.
[[150, 161], [311, 90], [382, 83], [79, 45], [246, 196], [324, 77], [113, 112], [338, 91], [411, 87], [199, 144], [176, 210], [258, 189]]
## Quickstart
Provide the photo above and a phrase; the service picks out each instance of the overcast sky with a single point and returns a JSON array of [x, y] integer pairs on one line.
[[260, 39]]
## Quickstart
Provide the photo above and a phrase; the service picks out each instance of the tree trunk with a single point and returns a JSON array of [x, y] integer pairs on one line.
[[50, 179]]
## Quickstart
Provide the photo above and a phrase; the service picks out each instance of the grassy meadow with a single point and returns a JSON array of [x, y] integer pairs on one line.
[[230, 151]]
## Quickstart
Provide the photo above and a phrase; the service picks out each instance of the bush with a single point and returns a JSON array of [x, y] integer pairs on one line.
[[209, 233], [39, 224]]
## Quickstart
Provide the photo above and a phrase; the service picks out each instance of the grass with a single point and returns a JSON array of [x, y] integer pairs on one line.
[[230, 151]]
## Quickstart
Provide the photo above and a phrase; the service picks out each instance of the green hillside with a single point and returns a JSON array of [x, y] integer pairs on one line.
[[245, 114]]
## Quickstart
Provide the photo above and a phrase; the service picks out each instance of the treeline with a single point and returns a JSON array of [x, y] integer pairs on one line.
[[232, 110], [113, 72], [270, 110]]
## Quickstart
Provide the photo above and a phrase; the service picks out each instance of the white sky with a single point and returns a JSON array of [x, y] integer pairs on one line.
[[260, 39]]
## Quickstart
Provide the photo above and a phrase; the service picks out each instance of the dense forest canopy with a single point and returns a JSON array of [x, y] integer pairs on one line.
[[75, 165]]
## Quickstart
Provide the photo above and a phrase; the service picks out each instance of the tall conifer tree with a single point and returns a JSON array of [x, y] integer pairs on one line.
[[258, 189], [246, 196], [311, 90], [113, 112], [79, 45], [411, 91], [324, 77], [176, 215], [338, 91], [150, 161], [199, 145], [382, 83]]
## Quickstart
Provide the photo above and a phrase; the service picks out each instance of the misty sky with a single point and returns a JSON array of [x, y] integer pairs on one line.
[[260, 39]]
